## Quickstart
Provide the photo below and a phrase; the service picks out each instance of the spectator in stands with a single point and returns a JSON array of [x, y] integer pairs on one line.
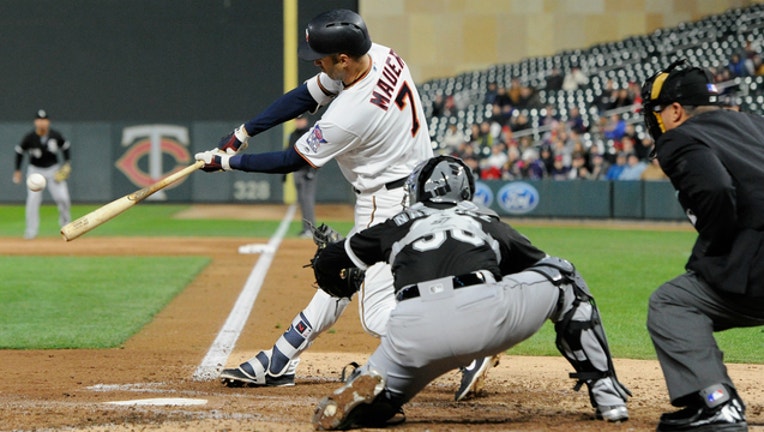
[[757, 67], [510, 171], [560, 169], [438, 105], [514, 91], [502, 98], [549, 118], [507, 137], [615, 128], [529, 98], [578, 167], [623, 98], [574, 79], [643, 146], [615, 170], [546, 156], [575, 121], [531, 167], [492, 166], [633, 169], [653, 171], [599, 166], [605, 100], [554, 80], [736, 66], [453, 138], [490, 93], [500, 116], [520, 122]]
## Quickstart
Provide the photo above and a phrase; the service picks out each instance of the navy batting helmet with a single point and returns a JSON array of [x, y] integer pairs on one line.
[[338, 31], [691, 86], [440, 179]]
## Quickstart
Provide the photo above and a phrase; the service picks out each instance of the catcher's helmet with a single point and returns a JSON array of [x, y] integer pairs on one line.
[[691, 86], [338, 31], [440, 179]]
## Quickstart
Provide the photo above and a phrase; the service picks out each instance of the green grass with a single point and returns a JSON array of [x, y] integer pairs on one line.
[[622, 268], [86, 302]]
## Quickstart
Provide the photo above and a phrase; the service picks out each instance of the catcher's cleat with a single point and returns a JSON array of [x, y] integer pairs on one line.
[[341, 411], [616, 413], [245, 375], [473, 377]]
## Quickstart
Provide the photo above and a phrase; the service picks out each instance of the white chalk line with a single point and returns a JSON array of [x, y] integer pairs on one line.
[[223, 345]]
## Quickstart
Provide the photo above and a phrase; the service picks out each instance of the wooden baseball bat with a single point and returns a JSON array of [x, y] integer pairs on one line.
[[113, 209]]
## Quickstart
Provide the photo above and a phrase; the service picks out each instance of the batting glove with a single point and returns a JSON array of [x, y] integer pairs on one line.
[[214, 160], [235, 142]]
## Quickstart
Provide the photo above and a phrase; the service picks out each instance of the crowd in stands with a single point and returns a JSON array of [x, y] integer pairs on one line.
[[497, 149]]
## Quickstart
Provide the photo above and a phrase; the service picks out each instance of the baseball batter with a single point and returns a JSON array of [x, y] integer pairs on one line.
[[43, 145], [448, 257], [376, 130]]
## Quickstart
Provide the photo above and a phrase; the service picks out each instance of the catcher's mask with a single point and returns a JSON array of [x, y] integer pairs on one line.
[[691, 86], [440, 179]]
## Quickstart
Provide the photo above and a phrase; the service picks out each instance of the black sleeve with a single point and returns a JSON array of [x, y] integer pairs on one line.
[[287, 107], [517, 251], [278, 162], [706, 190]]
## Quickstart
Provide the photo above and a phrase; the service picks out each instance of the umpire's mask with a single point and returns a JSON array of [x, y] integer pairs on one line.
[[691, 86], [440, 179]]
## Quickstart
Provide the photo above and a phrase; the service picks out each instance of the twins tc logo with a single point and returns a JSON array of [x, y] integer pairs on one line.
[[149, 149], [518, 198]]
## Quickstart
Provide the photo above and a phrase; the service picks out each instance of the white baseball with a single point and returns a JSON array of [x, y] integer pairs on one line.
[[36, 182]]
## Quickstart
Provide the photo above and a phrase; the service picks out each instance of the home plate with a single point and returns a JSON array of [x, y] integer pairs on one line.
[[256, 248], [161, 401]]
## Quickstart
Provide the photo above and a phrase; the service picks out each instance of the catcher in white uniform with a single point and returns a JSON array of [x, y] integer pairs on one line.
[[467, 285], [375, 127]]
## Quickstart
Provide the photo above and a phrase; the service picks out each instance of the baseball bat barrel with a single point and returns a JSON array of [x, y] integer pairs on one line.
[[113, 209]]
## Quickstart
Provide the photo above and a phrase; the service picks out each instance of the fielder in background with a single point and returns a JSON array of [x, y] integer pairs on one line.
[[715, 160], [305, 180], [467, 286], [43, 145]]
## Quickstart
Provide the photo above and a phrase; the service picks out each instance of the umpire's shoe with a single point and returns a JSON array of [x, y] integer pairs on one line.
[[351, 405], [254, 373], [721, 410], [473, 377]]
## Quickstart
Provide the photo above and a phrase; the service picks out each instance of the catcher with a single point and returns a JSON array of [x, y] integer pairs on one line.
[[467, 286]]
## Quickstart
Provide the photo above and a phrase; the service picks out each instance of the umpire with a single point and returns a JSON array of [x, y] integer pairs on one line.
[[715, 160], [44, 145]]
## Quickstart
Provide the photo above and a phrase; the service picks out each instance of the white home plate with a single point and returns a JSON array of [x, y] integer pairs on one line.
[[161, 401], [256, 248]]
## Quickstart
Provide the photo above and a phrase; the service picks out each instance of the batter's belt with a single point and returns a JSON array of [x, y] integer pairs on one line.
[[461, 281], [395, 184]]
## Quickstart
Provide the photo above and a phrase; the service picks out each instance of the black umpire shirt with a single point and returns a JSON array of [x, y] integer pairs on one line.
[[715, 161]]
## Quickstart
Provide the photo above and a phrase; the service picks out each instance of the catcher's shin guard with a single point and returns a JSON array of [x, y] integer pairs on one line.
[[580, 336]]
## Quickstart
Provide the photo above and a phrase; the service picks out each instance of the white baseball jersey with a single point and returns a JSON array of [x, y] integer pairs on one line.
[[375, 129]]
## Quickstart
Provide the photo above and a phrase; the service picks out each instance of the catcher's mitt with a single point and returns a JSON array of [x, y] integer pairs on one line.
[[63, 172], [335, 272]]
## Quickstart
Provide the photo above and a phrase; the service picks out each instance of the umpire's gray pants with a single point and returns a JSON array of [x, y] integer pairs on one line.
[[682, 317]]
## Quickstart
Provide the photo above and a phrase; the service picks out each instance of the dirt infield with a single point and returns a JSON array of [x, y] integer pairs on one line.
[[75, 390]]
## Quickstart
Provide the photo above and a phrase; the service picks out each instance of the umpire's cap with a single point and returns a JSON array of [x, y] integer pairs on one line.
[[691, 86], [338, 31]]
